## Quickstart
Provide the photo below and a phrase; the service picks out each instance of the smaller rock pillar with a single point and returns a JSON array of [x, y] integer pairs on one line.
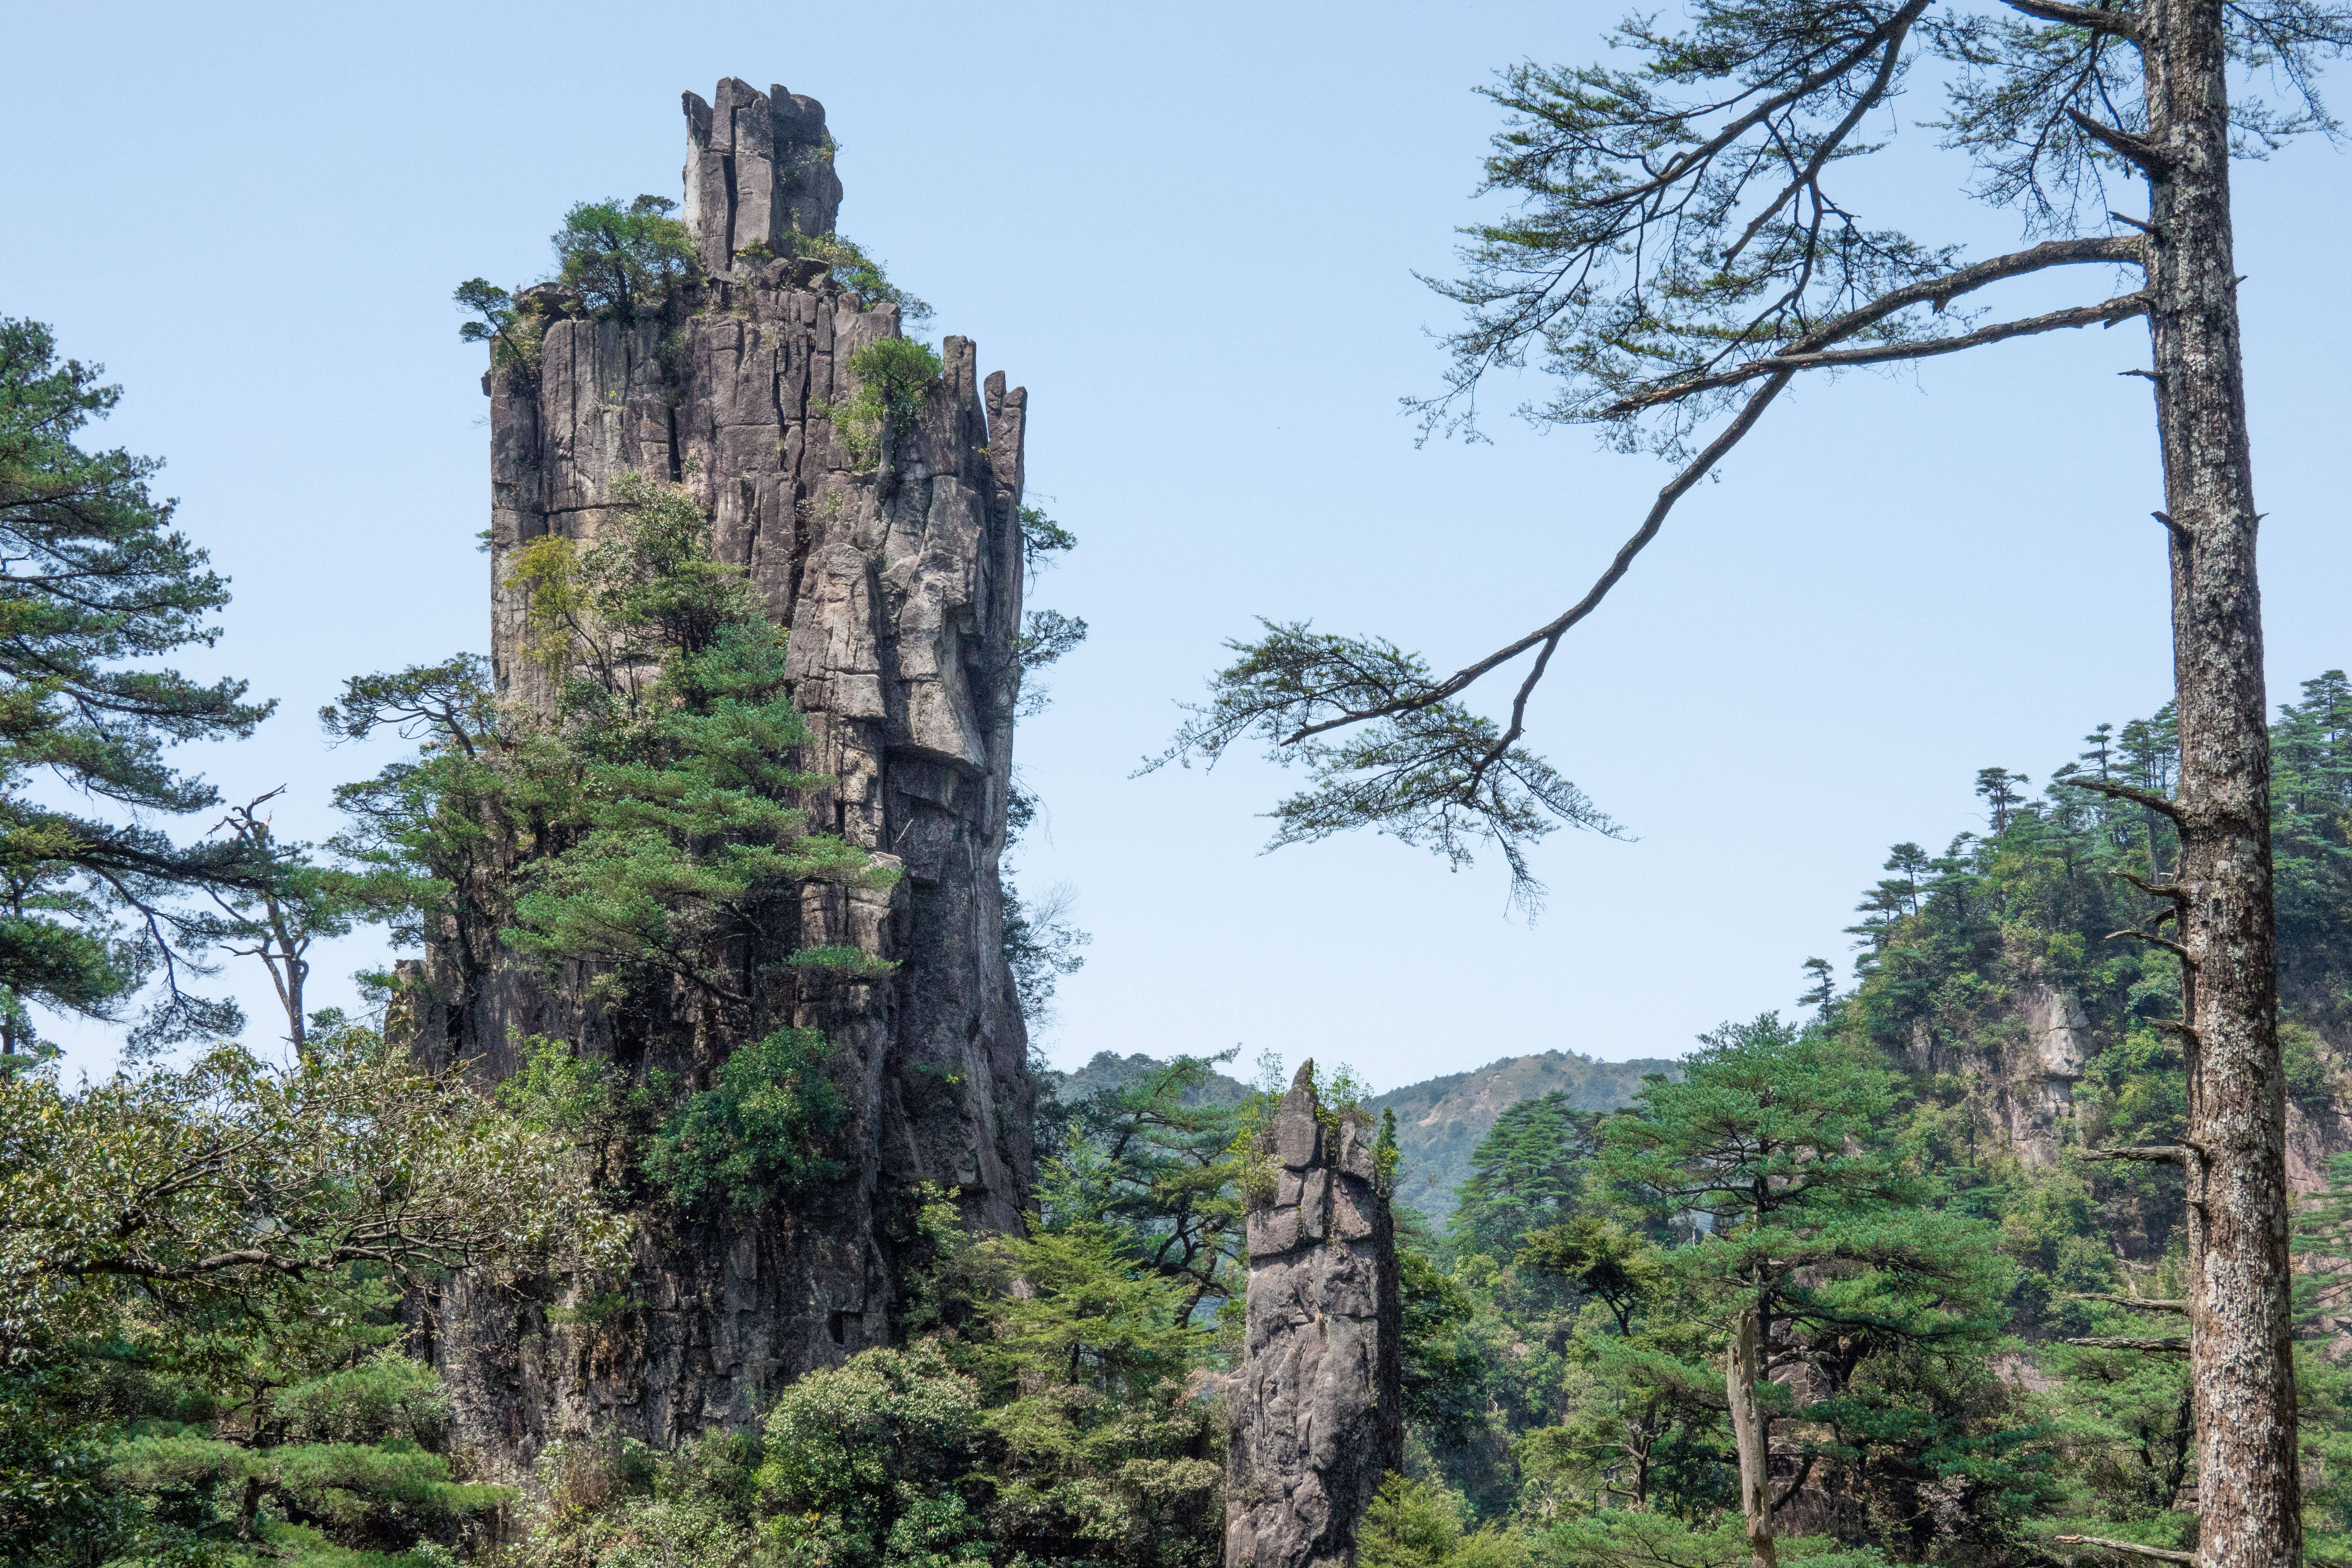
[[1319, 1415]]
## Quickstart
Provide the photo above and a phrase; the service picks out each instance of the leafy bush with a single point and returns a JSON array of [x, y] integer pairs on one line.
[[1420, 1525], [864, 1461], [756, 1135], [860, 272], [893, 378]]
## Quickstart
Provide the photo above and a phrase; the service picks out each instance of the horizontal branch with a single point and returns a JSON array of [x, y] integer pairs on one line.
[[2139, 152], [1807, 351], [2139, 1303], [2166, 890], [2149, 937], [2125, 791], [2150, 1154], [2161, 1553], [2156, 1345], [2117, 24], [2122, 307]]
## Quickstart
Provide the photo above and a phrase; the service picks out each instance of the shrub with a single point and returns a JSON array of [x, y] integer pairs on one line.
[[893, 378], [863, 1460], [620, 259], [755, 1136], [860, 272]]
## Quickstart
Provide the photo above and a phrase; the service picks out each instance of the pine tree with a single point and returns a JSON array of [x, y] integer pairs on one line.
[[1527, 1174], [98, 586]]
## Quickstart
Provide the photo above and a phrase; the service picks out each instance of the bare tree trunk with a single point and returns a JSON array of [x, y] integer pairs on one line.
[[2242, 1368], [1743, 1366]]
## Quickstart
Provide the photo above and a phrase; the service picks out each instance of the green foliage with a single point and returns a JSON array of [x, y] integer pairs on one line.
[[622, 260], [757, 1134], [607, 1503], [1527, 1174], [186, 1383], [1431, 772], [1044, 1425], [861, 273], [892, 378], [1155, 1157], [1418, 1524], [865, 1461], [142, 1189], [614, 261], [515, 335], [646, 823], [1440, 1121], [1041, 538], [101, 588]]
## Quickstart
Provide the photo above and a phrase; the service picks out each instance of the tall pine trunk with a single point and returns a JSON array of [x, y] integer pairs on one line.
[[1743, 1366], [2242, 1363]]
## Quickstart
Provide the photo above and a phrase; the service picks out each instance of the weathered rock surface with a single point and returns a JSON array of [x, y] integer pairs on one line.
[[903, 593], [2023, 1069], [1318, 1417]]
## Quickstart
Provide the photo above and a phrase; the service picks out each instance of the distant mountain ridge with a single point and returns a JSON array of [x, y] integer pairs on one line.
[[1439, 1121]]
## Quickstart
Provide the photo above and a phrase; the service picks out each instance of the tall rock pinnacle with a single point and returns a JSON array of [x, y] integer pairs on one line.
[[1317, 1416], [901, 585]]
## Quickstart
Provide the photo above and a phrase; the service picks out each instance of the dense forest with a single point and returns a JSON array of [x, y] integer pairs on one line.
[[1968, 1332]]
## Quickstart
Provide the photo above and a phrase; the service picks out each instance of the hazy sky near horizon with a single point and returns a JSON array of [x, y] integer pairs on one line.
[[1192, 233]]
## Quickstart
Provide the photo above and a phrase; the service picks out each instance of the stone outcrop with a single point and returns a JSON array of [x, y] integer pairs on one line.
[[2043, 1071], [902, 590], [2023, 1069], [1318, 1417]]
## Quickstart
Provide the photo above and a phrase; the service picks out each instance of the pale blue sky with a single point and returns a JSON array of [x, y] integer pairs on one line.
[[1191, 232]]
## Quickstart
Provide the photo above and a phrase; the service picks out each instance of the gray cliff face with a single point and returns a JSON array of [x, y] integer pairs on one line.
[[2024, 1072], [1317, 1415], [902, 591]]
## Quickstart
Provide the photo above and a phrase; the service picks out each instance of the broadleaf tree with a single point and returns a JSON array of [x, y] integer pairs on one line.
[[1689, 240]]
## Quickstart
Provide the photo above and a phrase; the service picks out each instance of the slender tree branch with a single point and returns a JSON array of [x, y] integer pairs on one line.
[[2139, 1303], [2152, 1154], [2117, 24], [2157, 1344], [2120, 309], [2141, 154], [2153, 939], [1674, 491], [1683, 162], [2165, 890], [1863, 104], [1936, 291], [2125, 792]]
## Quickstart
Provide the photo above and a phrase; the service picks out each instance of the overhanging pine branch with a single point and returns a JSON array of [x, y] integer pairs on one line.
[[2120, 309], [1550, 634], [2117, 24], [2129, 249]]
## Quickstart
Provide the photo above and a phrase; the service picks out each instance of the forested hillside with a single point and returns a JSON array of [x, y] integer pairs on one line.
[[1440, 1121]]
